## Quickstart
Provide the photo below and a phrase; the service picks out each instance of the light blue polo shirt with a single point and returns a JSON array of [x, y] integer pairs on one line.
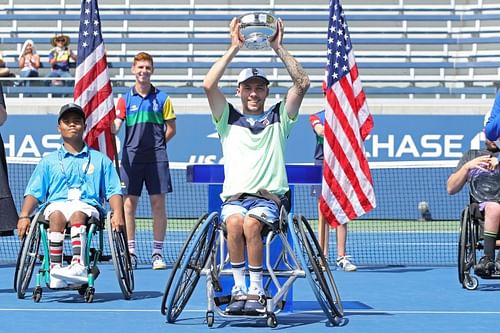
[[89, 170]]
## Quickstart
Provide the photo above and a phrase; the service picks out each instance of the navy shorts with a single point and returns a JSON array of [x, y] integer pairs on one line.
[[156, 176]]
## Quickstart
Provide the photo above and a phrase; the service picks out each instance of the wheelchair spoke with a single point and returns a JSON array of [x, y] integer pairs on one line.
[[187, 269], [316, 268], [121, 259], [27, 259]]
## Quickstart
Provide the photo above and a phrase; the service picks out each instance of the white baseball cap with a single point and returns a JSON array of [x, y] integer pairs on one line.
[[249, 73]]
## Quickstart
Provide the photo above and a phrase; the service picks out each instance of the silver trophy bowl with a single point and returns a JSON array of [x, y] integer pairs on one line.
[[258, 28]]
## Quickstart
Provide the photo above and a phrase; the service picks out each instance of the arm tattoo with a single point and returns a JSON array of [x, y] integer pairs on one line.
[[297, 73]]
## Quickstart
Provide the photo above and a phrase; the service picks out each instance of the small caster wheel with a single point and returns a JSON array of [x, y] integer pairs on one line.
[[272, 321], [89, 295], [210, 318], [37, 294], [471, 283]]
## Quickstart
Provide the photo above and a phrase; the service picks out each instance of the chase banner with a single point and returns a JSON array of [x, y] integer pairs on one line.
[[395, 138]]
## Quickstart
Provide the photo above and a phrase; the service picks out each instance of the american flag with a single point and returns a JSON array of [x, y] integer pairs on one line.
[[93, 91], [347, 189]]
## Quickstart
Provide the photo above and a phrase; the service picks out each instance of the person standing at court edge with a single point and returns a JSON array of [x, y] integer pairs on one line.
[[149, 119]]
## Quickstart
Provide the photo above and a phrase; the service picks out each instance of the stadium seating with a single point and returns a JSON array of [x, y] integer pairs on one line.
[[444, 48]]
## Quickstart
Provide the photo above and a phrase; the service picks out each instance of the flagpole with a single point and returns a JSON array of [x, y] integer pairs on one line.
[[115, 154]]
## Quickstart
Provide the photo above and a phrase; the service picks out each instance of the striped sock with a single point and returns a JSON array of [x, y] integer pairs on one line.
[[131, 246], [78, 242], [157, 247], [255, 273], [238, 269], [56, 240]]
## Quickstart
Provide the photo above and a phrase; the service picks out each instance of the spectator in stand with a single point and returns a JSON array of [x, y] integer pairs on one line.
[[4, 70], [59, 58], [29, 62]]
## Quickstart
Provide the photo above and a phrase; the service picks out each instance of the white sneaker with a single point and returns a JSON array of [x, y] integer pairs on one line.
[[74, 273], [158, 262], [56, 283], [345, 264]]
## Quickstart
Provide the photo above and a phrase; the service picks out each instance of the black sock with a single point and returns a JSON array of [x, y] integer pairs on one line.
[[490, 239]]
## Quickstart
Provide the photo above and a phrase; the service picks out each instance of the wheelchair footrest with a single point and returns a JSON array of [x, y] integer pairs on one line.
[[490, 277], [220, 300], [105, 258]]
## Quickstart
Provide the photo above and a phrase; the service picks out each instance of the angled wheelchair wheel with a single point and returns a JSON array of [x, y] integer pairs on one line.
[[121, 259], [18, 263], [466, 251], [27, 258], [462, 245], [316, 268], [177, 265], [186, 273]]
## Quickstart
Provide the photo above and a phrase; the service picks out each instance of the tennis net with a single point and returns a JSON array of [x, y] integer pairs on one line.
[[394, 233]]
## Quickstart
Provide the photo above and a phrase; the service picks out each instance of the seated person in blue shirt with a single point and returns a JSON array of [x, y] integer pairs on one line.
[[480, 169], [72, 183]]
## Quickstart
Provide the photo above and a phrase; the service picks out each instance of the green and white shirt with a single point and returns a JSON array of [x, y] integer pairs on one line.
[[254, 150]]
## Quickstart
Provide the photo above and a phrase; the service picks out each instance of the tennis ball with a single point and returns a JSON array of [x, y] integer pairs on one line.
[[423, 206]]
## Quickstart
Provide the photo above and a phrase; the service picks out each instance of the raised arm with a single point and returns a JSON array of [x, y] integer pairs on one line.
[[299, 77], [216, 98]]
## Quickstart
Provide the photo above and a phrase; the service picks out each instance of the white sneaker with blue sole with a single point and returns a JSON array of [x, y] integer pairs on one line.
[[256, 302], [237, 302]]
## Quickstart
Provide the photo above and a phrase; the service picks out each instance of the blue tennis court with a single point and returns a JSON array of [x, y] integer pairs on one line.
[[376, 299]]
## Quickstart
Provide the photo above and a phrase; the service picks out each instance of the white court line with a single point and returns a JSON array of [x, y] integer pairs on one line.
[[309, 311]]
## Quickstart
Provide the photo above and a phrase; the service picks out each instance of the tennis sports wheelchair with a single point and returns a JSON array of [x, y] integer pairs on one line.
[[31, 256], [470, 246], [204, 253]]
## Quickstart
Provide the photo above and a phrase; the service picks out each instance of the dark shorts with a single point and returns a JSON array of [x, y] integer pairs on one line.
[[156, 176]]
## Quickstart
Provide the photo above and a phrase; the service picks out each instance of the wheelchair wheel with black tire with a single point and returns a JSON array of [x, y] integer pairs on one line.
[[121, 259], [18, 263], [466, 252], [316, 268], [462, 245], [27, 258], [184, 277], [194, 230]]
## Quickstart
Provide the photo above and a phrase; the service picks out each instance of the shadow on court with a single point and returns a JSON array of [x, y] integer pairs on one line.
[[285, 321], [104, 297], [393, 269], [409, 299]]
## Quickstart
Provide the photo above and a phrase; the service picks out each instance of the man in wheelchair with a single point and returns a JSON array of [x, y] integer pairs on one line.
[[253, 143], [71, 184], [480, 169]]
